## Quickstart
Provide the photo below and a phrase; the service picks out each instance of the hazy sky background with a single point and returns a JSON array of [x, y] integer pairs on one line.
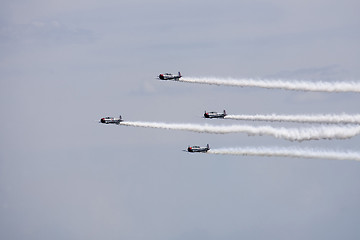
[[66, 64]]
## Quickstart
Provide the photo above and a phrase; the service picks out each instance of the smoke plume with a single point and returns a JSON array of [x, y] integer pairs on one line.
[[292, 134], [280, 84], [288, 152], [324, 118]]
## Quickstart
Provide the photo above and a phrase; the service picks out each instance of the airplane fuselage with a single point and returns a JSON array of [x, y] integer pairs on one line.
[[198, 149], [111, 120], [214, 114], [169, 76]]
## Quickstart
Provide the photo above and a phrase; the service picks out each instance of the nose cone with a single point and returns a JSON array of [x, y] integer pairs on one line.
[[102, 120], [161, 76], [189, 149]]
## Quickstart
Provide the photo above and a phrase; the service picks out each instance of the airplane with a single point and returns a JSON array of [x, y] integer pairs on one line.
[[214, 114], [198, 149], [113, 120], [169, 76]]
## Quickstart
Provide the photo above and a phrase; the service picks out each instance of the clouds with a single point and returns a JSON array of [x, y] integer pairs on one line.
[[40, 33], [66, 64]]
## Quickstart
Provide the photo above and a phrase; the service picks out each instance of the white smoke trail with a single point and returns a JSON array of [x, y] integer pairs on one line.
[[280, 84], [288, 152], [292, 134], [326, 118]]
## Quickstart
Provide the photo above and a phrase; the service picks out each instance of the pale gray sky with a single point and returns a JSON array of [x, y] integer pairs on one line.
[[66, 64]]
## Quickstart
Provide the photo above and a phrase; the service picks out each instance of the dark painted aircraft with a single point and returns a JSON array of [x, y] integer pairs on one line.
[[214, 114], [169, 76], [111, 120], [198, 149]]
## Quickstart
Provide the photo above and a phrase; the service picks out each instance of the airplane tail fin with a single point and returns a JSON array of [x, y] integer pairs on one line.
[[180, 74], [224, 112], [207, 146]]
